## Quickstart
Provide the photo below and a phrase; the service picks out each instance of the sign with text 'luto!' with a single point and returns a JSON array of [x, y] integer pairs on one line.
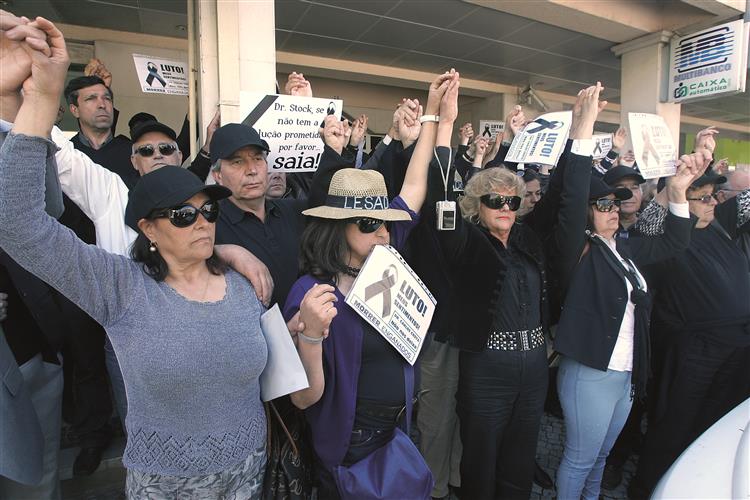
[[542, 140], [161, 76], [653, 146], [392, 298], [290, 125], [709, 62]]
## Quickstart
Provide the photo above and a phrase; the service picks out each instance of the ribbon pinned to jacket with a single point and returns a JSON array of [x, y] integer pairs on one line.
[[383, 286]]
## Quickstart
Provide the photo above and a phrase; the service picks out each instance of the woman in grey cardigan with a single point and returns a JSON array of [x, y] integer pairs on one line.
[[185, 328]]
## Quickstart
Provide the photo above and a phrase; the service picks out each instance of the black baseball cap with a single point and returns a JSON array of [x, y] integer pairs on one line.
[[598, 189], [621, 171], [166, 187], [142, 128], [709, 177], [140, 117], [233, 136]]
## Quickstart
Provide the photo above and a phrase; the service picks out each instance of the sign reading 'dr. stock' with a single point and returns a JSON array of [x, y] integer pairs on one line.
[[392, 298], [710, 62], [290, 125], [542, 140], [161, 76]]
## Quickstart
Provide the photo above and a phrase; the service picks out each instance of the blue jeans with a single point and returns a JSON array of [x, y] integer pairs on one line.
[[596, 405], [115, 378]]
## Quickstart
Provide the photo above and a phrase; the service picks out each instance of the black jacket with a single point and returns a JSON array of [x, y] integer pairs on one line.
[[593, 290]]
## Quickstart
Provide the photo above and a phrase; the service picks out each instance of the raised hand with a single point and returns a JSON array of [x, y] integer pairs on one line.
[[213, 126], [297, 85], [481, 146], [689, 167], [705, 139], [359, 128], [585, 111], [618, 139], [465, 133], [97, 68], [335, 133], [449, 100], [317, 310], [514, 123], [438, 87], [408, 124], [14, 59]]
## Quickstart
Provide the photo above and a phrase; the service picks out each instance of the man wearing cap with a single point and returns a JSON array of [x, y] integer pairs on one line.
[[269, 228], [155, 145], [702, 313], [628, 178]]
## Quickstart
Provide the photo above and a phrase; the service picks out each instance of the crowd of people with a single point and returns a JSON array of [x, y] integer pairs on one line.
[[124, 266]]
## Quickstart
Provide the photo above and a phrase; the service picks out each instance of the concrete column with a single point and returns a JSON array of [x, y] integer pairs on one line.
[[236, 52], [643, 84]]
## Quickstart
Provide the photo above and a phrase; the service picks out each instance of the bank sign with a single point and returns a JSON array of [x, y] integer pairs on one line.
[[707, 63]]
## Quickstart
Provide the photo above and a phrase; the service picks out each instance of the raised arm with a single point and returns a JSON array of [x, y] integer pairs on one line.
[[100, 283], [442, 97]]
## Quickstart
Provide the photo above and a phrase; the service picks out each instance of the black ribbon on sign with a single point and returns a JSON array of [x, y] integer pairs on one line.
[[383, 286], [544, 125], [487, 131], [153, 72], [358, 202]]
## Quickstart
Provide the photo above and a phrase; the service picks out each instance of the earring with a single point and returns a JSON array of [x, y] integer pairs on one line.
[[152, 247]]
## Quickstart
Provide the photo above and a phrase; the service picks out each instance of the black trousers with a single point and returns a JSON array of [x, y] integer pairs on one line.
[[500, 402], [705, 378]]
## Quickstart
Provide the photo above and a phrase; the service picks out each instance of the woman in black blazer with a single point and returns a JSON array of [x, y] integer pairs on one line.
[[603, 329]]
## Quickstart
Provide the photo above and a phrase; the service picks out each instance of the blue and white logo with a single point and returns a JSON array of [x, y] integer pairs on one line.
[[704, 49]]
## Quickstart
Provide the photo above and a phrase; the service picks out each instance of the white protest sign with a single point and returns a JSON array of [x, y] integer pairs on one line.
[[653, 147], [284, 372], [392, 298], [290, 126], [542, 140], [602, 145], [490, 128], [161, 76]]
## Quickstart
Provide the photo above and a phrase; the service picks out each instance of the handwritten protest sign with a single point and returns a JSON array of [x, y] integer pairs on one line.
[[653, 146], [161, 76], [541, 140], [490, 128], [392, 298], [290, 126], [602, 145]]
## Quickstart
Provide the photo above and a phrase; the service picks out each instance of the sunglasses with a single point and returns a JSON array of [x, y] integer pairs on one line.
[[186, 215], [706, 198], [497, 201], [606, 204], [148, 150], [368, 225]]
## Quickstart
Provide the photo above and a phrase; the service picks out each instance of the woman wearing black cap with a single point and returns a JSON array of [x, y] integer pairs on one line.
[[184, 327], [602, 334]]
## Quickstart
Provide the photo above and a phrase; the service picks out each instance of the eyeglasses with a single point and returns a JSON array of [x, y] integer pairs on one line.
[[606, 204], [706, 198], [148, 150], [497, 201], [186, 215], [367, 225]]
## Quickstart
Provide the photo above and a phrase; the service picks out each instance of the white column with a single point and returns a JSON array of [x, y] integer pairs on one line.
[[643, 84]]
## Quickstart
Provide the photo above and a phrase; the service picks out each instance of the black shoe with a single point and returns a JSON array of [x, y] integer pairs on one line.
[[541, 478], [612, 477], [87, 461]]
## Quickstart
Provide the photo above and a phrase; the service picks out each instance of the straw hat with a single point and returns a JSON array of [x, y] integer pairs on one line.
[[357, 193]]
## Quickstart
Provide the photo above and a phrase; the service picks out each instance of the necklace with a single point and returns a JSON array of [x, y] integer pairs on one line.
[[351, 271]]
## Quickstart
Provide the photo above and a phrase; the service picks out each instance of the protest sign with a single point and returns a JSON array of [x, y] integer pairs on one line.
[[161, 76], [541, 140], [284, 372], [290, 126], [392, 298], [490, 128], [653, 145], [602, 145]]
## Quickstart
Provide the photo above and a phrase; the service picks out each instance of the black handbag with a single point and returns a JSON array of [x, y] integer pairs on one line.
[[288, 473]]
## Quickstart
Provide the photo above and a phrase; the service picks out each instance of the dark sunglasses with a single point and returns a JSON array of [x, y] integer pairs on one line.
[[186, 215], [606, 204], [496, 201], [148, 149], [706, 198], [368, 225]]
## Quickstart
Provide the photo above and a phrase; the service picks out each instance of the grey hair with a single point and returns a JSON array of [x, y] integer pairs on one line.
[[216, 166], [487, 181]]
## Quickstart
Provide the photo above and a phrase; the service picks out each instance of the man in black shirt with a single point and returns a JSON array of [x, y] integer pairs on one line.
[[91, 102], [270, 229]]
